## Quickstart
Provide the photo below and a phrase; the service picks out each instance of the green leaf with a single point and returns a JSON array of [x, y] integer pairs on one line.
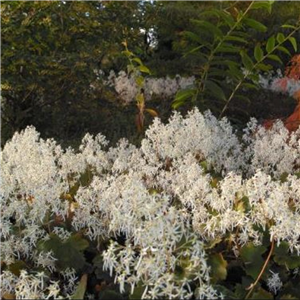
[[130, 68], [264, 67], [284, 50], [195, 50], [138, 292], [288, 297], [209, 26], [275, 58], [250, 86], [293, 42], [235, 72], [140, 80], [215, 73], [226, 292], [180, 268], [86, 178], [283, 257], [127, 53], [225, 62], [177, 104], [194, 37], [215, 89], [246, 204], [280, 38], [284, 176], [81, 288], [235, 39], [68, 253], [224, 15], [288, 26], [240, 289], [98, 260], [16, 267], [183, 95], [263, 4], [144, 69], [243, 98], [212, 243], [258, 53], [247, 61], [252, 258], [260, 293], [255, 24], [228, 48], [77, 241], [110, 295], [136, 59], [218, 267], [270, 44]]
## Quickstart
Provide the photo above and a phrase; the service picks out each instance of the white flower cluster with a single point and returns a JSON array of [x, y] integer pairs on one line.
[[274, 151], [29, 286], [167, 87], [127, 88], [192, 180]]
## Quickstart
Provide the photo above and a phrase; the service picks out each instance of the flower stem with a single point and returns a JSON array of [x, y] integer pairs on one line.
[[252, 286]]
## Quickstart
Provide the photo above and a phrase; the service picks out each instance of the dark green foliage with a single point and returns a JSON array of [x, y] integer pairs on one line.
[[68, 253], [252, 258], [138, 292], [218, 267], [221, 40], [17, 266], [50, 51], [283, 257], [50, 54]]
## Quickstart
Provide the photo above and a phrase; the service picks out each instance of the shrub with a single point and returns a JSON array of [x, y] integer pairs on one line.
[[178, 217]]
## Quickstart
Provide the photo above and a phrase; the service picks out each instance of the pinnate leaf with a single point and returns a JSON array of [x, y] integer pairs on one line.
[[270, 44], [247, 61], [293, 42], [263, 4], [258, 53], [280, 37], [144, 69], [255, 25]]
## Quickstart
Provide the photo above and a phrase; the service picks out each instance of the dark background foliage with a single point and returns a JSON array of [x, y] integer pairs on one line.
[[52, 52]]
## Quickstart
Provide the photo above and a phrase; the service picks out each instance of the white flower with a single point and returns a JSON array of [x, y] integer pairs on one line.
[[53, 290], [274, 283], [46, 260]]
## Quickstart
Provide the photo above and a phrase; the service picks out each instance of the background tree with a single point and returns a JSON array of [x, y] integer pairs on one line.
[[55, 55], [51, 54]]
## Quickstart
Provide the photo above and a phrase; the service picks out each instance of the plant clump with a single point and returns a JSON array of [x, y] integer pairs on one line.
[[173, 218]]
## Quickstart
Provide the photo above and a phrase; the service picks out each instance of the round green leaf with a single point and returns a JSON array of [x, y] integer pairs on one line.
[[218, 267], [252, 258]]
